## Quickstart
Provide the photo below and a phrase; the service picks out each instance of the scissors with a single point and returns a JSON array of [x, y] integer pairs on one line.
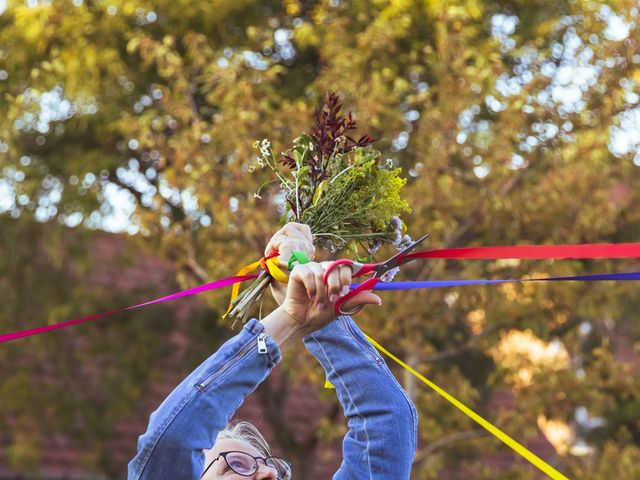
[[378, 269]]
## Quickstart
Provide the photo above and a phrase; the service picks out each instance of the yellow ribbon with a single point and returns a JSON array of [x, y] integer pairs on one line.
[[274, 270], [495, 431], [236, 286]]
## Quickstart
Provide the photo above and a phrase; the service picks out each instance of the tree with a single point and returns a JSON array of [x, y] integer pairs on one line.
[[508, 117]]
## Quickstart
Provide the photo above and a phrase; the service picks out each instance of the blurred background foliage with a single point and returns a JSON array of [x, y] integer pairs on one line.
[[516, 122]]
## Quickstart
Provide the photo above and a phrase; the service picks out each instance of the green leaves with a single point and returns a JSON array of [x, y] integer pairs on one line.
[[357, 206]]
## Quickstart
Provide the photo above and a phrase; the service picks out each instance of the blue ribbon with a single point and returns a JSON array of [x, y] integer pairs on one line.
[[459, 283]]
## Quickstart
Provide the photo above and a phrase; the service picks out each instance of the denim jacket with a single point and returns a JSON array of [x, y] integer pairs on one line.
[[382, 436]]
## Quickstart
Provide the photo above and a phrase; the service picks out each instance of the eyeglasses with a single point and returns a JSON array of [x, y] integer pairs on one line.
[[246, 465]]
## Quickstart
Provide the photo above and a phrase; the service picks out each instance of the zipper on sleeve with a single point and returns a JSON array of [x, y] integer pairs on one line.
[[243, 352], [262, 344]]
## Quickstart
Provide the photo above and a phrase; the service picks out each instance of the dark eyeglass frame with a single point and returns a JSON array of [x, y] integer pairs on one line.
[[255, 462]]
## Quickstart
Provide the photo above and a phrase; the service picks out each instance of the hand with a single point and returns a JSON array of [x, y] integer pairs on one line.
[[292, 237], [309, 303]]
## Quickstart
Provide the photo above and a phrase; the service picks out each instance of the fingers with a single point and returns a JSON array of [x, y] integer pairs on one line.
[[273, 244], [321, 288], [311, 276], [345, 279], [360, 300], [306, 275], [285, 245], [299, 231], [292, 237], [339, 284], [320, 294], [338, 281], [294, 229]]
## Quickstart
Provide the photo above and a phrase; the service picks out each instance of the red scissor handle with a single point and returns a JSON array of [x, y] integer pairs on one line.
[[357, 269], [368, 284]]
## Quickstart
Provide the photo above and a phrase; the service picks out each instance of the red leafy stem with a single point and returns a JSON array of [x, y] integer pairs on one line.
[[330, 125]]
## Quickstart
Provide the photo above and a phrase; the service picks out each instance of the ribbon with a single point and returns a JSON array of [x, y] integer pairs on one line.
[[297, 257], [268, 263], [185, 293], [622, 250], [236, 288], [274, 270], [495, 431], [625, 276], [630, 250]]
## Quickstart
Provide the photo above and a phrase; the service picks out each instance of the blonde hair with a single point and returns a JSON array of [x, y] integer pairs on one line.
[[247, 432]]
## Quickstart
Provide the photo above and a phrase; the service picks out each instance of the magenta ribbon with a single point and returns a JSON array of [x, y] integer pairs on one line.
[[184, 293]]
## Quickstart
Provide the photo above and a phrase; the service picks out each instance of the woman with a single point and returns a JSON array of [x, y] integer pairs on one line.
[[188, 436]]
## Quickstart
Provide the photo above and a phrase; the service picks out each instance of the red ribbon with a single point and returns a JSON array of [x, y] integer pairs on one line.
[[597, 250]]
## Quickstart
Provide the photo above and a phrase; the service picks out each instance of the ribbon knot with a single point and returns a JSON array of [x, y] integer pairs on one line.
[[270, 265]]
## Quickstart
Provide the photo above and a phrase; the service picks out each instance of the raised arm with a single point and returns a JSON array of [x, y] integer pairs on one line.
[[189, 419], [382, 436]]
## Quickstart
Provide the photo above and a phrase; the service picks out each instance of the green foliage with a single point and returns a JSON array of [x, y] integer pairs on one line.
[[357, 204]]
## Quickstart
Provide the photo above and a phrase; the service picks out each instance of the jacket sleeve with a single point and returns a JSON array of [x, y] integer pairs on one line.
[[382, 437], [189, 419]]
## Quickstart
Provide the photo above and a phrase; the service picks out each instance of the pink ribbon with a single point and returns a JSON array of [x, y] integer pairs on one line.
[[185, 293]]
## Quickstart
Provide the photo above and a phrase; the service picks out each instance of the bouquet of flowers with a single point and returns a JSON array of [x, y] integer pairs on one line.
[[340, 186]]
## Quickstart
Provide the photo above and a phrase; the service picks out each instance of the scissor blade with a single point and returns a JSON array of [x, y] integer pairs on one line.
[[398, 259]]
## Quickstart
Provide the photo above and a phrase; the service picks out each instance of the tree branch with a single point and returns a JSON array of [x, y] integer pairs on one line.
[[454, 352], [446, 442]]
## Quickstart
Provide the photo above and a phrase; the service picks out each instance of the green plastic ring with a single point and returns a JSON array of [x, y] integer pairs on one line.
[[297, 257]]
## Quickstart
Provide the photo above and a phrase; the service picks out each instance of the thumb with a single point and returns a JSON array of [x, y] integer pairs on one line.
[[361, 299]]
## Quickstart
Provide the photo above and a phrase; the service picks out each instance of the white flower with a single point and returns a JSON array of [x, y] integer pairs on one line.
[[264, 148]]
